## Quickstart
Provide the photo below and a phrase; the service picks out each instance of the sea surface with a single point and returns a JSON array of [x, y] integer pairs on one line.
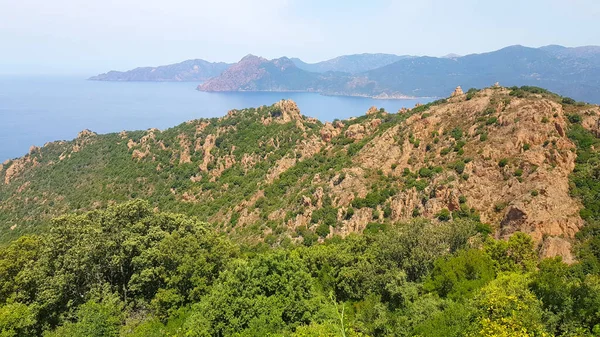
[[36, 110]]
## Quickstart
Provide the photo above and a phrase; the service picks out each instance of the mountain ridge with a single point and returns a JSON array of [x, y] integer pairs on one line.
[[568, 71], [186, 71], [354, 63]]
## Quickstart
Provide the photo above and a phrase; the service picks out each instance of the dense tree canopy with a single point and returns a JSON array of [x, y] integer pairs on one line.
[[132, 271]]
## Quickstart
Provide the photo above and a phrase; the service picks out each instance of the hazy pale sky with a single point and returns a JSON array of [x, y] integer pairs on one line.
[[91, 36]]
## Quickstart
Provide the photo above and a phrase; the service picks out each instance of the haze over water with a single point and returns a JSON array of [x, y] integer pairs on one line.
[[36, 110]]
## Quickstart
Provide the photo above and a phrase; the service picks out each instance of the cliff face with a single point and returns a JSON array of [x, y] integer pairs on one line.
[[272, 174]]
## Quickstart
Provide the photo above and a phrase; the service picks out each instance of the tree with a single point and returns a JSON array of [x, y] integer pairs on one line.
[[516, 254], [17, 320], [95, 318], [506, 307], [457, 276], [270, 293]]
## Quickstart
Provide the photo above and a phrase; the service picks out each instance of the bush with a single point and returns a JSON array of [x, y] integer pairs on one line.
[[443, 215], [500, 206], [491, 120], [518, 172], [471, 93], [322, 230], [456, 133], [503, 162], [425, 172], [568, 101], [459, 166], [517, 93], [574, 118]]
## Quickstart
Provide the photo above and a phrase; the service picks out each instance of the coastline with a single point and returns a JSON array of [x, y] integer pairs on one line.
[[382, 96]]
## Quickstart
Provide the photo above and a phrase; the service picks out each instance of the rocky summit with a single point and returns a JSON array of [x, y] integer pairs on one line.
[[501, 156]]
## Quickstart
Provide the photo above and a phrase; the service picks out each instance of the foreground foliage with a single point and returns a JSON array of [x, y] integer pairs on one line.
[[131, 271]]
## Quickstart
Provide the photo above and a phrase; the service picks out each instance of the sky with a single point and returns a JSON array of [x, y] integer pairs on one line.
[[92, 36]]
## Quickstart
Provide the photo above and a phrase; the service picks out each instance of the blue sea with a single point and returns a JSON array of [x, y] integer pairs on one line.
[[36, 110]]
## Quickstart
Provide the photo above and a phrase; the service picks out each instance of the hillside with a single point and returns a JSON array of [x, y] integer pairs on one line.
[[270, 173], [431, 221], [186, 71], [353, 64]]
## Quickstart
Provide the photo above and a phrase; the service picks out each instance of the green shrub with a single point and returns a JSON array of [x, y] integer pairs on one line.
[[518, 172], [443, 215], [322, 230], [471, 93], [491, 120], [416, 212], [456, 133], [425, 172], [574, 118], [500, 206], [458, 166]]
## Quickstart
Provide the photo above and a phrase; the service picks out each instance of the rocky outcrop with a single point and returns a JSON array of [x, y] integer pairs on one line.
[[329, 132], [209, 144], [14, 169], [356, 132], [185, 145], [86, 133], [556, 246], [287, 111], [372, 111], [457, 92]]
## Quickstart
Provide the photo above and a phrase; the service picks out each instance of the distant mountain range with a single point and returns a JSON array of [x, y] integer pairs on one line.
[[573, 72], [186, 71], [353, 64]]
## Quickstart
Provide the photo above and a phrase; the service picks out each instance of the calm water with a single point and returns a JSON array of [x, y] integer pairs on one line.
[[36, 110]]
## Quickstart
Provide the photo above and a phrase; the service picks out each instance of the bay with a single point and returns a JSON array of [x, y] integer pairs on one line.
[[37, 109]]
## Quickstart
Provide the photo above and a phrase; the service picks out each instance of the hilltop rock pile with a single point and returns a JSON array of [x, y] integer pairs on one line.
[[457, 92]]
